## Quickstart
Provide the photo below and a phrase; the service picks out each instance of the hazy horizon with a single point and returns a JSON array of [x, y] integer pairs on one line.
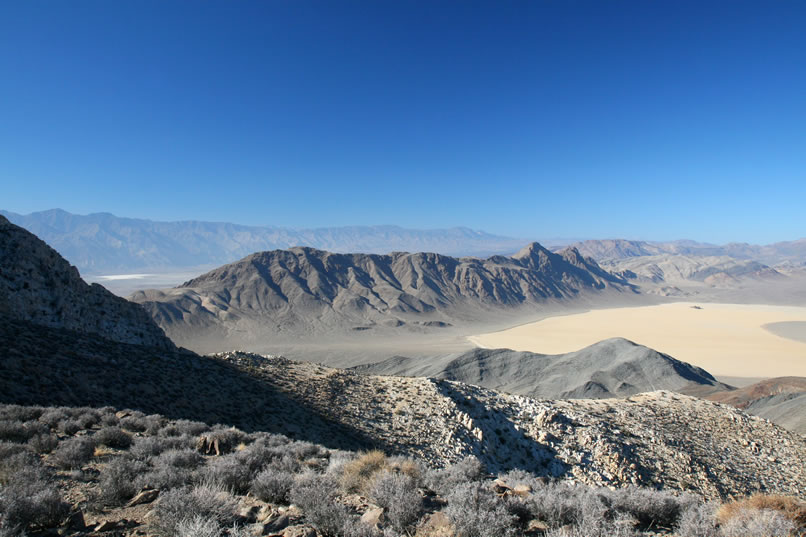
[[559, 240]]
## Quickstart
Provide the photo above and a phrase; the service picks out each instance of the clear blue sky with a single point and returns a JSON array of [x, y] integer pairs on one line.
[[646, 119]]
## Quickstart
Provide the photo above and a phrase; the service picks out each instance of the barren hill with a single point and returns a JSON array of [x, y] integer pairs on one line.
[[38, 285], [302, 290], [612, 368]]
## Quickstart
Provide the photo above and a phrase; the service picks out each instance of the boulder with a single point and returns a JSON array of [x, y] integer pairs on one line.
[[144, 496], [373, 516]]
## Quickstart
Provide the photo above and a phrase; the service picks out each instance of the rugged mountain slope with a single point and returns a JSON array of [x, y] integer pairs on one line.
[[38, 285], [612, 368], [102, 242], [303, 290], [781, 400]]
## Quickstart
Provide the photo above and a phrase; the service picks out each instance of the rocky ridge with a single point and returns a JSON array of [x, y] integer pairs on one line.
[[770, 254], [38, 285], [675, 269], [658, 439], [309, 291]]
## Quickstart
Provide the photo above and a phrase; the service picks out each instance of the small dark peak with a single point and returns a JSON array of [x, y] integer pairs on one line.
[[4, 220]]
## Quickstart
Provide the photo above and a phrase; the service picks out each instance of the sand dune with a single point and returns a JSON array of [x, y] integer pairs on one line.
[[725, 339]]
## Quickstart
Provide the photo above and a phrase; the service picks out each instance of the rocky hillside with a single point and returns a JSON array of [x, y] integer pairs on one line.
[[782, 400], [303, 290], [38, 285], [657, 439], [94, 472], [612, 368], [660, 439]]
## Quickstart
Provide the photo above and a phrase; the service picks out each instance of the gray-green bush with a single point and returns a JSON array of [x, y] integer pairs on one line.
[[475, 511], [315, 494], [272, 485], [73, 452], [203, 500], [398, 495], [113, 437]]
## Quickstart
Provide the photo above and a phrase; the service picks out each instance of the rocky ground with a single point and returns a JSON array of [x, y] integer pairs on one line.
[[658, 439], [101, 472]]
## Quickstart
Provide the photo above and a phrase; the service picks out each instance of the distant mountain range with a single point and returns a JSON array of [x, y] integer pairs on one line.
[[687, 268], [307, 291], [103, 243], [770, 254]]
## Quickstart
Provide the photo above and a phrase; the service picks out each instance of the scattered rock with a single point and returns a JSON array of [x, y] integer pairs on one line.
[[144, 496], [107, 525], [373, 516], [299, 531], [276, 524]]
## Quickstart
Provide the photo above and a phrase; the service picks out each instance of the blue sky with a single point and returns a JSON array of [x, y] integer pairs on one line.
[[656, 120]]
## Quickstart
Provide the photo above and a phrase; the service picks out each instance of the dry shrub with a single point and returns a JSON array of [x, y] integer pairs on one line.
[[408, 467], [792, 508], [358, 474]]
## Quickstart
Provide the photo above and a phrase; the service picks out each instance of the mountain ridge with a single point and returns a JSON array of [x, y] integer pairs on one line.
[[313, 290], [793, 251], [657, 439]]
